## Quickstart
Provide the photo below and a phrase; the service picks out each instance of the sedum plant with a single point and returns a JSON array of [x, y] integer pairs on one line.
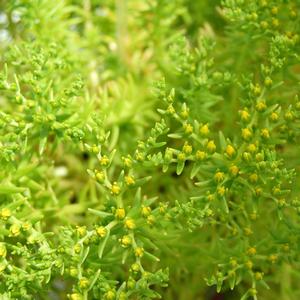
[[149, 149]]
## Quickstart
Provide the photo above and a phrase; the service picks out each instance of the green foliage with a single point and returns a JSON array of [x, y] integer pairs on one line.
[[149, 149]]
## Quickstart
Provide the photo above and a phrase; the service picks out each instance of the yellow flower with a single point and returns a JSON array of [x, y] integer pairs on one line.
[[261, 105], [5, 213], [127, 162], [184, 113], [115, 189], [234, 170], [251, 251], [126, 241], [171, 109], [221, 190], [26, 226], [75, 296], [274, 10], [230, 151], [104, 161], [253, 178], [100, 176], [264, 24], [139, 251], [187, 149], [211, 147], [188, 128], [181, 156], [252, 148], [233, 263], [204, 130], [273, 258], [146, 211], [129, 180], [256, 90], [110, 295], [249, 264], [120, 213], [73, 272], [95, 149], [81, 230], [2, 250], [275, 22], [129, 223], [210, 197], [289, 116], [274, 116], [248, 231], [150, 220], [15, 229], [219, 176], [265, 133], [83, 283], [200, 155], [244, 115], [246, 133], [77, 248], [101, 231], [268, 81], [258, 276]]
